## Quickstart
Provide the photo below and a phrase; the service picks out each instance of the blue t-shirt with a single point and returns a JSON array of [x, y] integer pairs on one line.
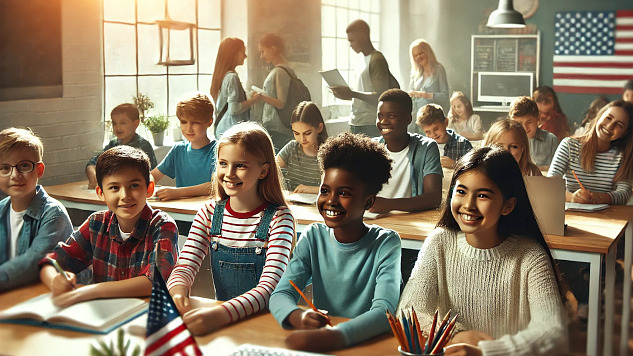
[[189, 166]]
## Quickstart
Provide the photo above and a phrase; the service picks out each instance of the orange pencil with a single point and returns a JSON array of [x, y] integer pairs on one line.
[[309, 302], [395, 330], [432, 332], [418, 330], [445, 336], [578, 180]]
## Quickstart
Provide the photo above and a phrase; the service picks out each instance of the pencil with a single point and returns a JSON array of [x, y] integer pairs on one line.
[[309, 302], [395, 330], [60, 270], [427, 349], [441, 328], [578, 180], [445, 336], [418, 330]]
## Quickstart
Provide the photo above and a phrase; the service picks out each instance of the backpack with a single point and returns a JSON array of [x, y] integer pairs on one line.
[[297, 92], [393, 82]]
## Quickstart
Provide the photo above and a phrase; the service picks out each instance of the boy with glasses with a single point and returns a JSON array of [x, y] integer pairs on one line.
[[31, 222]]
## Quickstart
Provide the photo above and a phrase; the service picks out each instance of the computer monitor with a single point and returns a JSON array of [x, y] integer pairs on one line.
[[504, 87]]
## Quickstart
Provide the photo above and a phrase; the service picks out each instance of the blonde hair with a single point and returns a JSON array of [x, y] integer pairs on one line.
[[503, 126], [468, 112], [197, 105], [255, 140], [416, 70], [225, 61], [14, 139]]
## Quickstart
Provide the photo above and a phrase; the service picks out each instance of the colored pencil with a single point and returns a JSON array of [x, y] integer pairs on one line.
[[442, 327], [444, 338], [421, 339], [310, 302], [578, 180], [427, 349], [392, 323]]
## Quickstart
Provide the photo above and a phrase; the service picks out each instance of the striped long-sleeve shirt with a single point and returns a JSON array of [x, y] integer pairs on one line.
[[238, 230], [606, 164]]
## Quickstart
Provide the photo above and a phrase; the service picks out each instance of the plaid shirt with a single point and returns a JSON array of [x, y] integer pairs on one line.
[[456, 146], [98, 244]]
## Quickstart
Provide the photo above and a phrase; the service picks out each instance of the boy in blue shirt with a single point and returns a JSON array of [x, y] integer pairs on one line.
[[31, 222], [432, 121], [190, 162], [543, 143], [355, 268], [416, 173]]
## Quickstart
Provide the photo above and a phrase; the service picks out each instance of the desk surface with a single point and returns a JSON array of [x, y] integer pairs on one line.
[[260, 329], [586, 232]]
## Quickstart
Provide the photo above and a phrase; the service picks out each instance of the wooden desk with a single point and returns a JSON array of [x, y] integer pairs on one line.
[[590, 238], [261, 329]]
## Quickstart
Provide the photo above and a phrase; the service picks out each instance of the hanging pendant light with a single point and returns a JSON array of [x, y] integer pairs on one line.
[[505, 16], [172, 51]]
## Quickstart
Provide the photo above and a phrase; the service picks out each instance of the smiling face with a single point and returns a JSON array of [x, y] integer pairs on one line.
[[436, 131], [612, 125], [20, 186], [195, 130], [420, 57], [510, 142], [125, 193], [307, 136], [123, 127], [529, 123], [392, 122], [458, 107], [239, 172]]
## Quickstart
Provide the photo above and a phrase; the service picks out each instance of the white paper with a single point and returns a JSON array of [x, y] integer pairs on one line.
[[333, 78]]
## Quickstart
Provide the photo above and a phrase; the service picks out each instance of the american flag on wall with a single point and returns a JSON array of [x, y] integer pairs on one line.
[[593, 51]]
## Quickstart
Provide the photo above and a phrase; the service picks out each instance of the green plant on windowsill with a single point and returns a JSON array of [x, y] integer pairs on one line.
[[157, 123], [143, 103]]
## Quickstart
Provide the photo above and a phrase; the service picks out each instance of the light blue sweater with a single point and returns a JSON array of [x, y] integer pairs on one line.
[[359, 280]]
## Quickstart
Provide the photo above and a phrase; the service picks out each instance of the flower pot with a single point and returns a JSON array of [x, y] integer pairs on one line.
[[158, 138]]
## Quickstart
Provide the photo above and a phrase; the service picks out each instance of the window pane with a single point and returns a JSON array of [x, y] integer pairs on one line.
[[150, 10], [342, 53], [119, 49], [182, 10], [148, 48], [118, 90], [353, 15], [204, 83], [208, 43], [328, 21], [180, 85], [119, 10], [209, 13], [156, 88], [341, 22], [328, 2]]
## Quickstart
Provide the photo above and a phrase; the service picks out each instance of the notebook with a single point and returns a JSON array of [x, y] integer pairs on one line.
[[99, 316], [547, 196], [256, 350], [303, 198], [585, 208], [333, 78]]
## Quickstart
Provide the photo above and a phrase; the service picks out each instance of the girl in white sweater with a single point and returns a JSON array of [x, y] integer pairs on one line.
[[487, 260]]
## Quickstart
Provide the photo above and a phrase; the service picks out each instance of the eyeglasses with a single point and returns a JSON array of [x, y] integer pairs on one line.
[[23, 167]]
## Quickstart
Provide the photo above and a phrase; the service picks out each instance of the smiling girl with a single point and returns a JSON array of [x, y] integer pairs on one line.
[[299, 156], [246, 227], [462, 119], [488, 240], [511, 135], [602, 158]]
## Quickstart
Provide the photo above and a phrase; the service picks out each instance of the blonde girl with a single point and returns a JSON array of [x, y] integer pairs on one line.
[[511, 135], [462, 119], [299, 156], [246, 227], [231, 102]]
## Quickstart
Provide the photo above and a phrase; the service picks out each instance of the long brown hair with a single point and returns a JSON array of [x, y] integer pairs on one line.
[[468, 107], [507, 125], [589, 143], [309, 113], [225, 61]]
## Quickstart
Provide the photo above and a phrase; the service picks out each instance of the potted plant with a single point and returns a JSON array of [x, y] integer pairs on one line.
[[143, 103], [157, 124]]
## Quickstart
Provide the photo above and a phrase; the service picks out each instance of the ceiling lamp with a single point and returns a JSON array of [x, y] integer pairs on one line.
[[505, 16]]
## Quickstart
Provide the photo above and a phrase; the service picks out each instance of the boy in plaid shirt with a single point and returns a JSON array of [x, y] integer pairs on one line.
[[120, 245], [452, 146]]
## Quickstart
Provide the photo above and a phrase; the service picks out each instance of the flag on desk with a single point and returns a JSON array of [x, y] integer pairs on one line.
[[166, 332], [593, 51]]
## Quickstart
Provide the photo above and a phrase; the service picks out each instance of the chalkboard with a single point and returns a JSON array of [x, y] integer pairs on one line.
[[506, 56], [30, 49]]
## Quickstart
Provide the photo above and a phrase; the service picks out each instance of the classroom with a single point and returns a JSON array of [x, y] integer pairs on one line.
[[68, 65]]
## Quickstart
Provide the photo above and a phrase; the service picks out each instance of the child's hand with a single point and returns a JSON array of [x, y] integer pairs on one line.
[[471, 337], [381, 205], [60, 284], [302, 188], [202, 321], [73, 297], [582, 196], [167, 193], [463, 350], [180, 295], [342, 92], [323, 339], [255, 96], [313, 320], [446, 162]]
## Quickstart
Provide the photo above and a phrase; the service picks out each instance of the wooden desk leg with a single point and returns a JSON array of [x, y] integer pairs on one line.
[[609, 300], [626, 285]]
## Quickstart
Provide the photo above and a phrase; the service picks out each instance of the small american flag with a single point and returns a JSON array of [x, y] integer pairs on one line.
[[593, 51], [166, 332]]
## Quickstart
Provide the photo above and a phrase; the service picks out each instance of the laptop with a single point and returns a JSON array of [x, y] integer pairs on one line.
[[547, 196]]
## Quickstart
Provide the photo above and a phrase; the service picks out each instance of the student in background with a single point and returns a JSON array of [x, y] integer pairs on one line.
[[462, 119], [246, 227], [125, 119], [542, 143], [598, 103], [602, 158], [120, 245], [452, 146], [511, 135], [373, 79], [190, 162], [551, 117], [627, 91], [354, 268], [31, 222], [416, 175], [428, 84], [488, 240], [299, 156], [226, 88]]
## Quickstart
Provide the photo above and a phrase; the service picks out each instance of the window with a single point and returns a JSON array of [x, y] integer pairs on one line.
[[335, 16], [131, 51]]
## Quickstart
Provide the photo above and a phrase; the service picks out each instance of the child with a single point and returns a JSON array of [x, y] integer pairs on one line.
[[125, 120], [551, 117], [31, 222], [462, 118], [602, 158], [120, 245], [627, 91], [416, 179], [299, 156], [598, 103], [511, 135], [226, 88], [246, 227], [190, 162], [432, 121], [542, 143], [354, 268], [488, 262]]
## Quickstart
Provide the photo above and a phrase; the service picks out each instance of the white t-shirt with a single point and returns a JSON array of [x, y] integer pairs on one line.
[[399, 185], [441, 147], [124, 235], [16, 220]]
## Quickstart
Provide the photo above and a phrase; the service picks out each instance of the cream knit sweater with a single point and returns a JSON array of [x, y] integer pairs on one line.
[[508, 291]]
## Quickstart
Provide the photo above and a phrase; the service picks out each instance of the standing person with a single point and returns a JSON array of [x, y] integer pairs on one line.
[[551, 116], [246, 227], [428, 84], [373, 80], [231, 103]]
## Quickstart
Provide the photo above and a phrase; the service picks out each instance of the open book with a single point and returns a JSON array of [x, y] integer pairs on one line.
[[585, 208], [99, 316]]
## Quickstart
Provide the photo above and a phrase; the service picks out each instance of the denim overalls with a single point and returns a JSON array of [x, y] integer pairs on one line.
[[237, 270]]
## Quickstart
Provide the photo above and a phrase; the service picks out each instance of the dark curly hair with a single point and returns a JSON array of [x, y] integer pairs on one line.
[[366, 159]]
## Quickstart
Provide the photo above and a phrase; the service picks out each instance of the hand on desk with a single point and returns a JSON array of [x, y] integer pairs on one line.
[[583, 196], [308, 319], [60, 284], [470, 337], [180, 296], [202, 321], [302, 188], [462, 350], [74, 296], [381, 205], [322, 339], [167, 193]]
